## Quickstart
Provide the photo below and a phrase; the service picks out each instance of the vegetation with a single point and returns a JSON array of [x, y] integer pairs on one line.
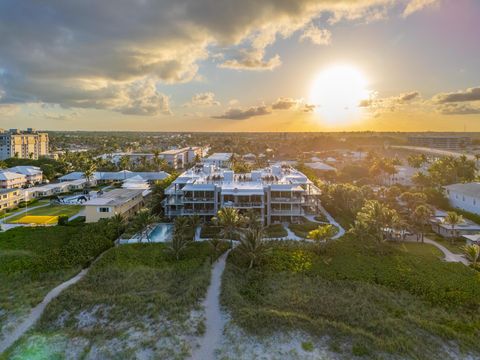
[[303, 229], [51, 210], [400, 301], [252, 246], [135, 298], [275, 231], [35, 260], [472, 252]]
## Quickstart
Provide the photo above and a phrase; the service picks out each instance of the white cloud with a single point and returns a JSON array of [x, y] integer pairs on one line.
[[203, 99], [316, 35], [417, 5]]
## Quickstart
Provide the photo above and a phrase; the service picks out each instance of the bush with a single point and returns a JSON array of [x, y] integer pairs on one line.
[[275, 231], [63, 220], [304, 228]]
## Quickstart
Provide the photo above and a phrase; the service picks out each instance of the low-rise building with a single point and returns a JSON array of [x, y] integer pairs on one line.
[[125, 202], [277, 193], [116, 176], [464, 196], [447, 142], [220, 160], [10, 198], [180, 158], [11, 180], [53, 189], [466, 227], [33, 174]]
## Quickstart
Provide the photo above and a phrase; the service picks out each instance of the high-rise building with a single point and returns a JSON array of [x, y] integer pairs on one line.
[[446, 142], [28, 144]]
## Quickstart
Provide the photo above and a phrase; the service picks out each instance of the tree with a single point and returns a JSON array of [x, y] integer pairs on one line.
[[181, 226], [453, 219], [421, 216], [195, 221], [178, 245], [142, 222], [412, 200], [252, 220], [229, 219], [124, 162], [215, 246], [89, 171], [472, 252], [252, 246], [373, 219], [322, 233], [119, 224]]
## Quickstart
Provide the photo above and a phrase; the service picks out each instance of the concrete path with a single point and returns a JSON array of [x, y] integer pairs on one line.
[[36, 312], [22, 212], [215, 321], [331, 220], [449, 256], [77, 215]]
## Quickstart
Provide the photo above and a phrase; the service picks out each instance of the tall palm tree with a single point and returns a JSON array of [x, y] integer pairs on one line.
[[195, 222], [124, 162], [142, 223], [182, 224], [229, 219], [472, 252], [119, 223], [252, 246], [156, 159], [453, 219], [421, 216], [178, 245], [89, 171]]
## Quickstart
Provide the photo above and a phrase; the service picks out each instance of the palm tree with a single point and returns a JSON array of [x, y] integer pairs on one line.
[[229, 220], [142, 223], [195, 222], [118, 222], [178, 245], [89, 171], [453, 219], [252, 219], [156, 159], [181, 226], [252, 245], [215, 245], [124, 162], [421, 216], [472, 252]]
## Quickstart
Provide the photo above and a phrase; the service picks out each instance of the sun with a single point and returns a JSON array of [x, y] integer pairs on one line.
[[337, 92]]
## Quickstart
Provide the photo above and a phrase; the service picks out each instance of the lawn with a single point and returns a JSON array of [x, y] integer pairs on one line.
[[455, 246], [51, 210], [135, 302], [356, 299], [275, 231], [22, 208], [304, 228], [35, 260]]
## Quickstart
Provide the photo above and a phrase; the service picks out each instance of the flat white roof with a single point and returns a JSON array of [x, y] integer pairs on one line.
[[220, 157], [115, 197]]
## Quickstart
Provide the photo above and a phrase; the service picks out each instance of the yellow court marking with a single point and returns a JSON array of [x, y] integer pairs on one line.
[[39, 220]]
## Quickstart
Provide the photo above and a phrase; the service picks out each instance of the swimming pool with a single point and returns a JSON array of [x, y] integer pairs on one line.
[[161, 233]]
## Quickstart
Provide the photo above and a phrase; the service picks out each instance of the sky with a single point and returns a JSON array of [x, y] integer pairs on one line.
[[240, 65]]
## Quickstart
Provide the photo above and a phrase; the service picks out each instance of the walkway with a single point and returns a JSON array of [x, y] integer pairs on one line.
[[331, 220], [37, 311], [77, 215], [215, 321], [449, 256], [16, 213]]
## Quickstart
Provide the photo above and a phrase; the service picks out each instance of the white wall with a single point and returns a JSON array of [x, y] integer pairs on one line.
[[464, 202]]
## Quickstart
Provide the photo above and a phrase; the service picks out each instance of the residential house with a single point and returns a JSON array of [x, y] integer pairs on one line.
[[11, 180]]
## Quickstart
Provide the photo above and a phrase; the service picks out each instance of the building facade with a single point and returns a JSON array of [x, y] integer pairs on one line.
[[277, 193], [179, 158], [125, 202], [464, 196], [10, 198], [12, 180], [28, 144], [440, 142]]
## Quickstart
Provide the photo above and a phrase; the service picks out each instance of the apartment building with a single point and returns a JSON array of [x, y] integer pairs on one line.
[[10, 198], [28, 144], [221, 160], [125, 202], [277, 193], [440, 142], [12, 180], [116, 176], [33, 174], [179, 158]]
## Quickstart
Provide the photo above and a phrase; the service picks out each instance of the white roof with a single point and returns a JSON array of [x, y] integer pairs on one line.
[[115, 197], [9, 175], [117, 175], [26, 170], [474, 237], [320, 166], [220, 157], [470, 189]]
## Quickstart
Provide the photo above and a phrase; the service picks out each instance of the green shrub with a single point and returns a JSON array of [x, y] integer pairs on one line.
[[63, 220], [307, 346]]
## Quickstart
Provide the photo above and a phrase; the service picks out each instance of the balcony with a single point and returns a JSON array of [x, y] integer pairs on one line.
[[289, 212], [198, 212], [198, 200], [296, 200], [243, 204]]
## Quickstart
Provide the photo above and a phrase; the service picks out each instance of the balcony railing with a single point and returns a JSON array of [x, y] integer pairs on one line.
[[243, 204], [199, 211], [287, 200], [288, 212], [190, 199]]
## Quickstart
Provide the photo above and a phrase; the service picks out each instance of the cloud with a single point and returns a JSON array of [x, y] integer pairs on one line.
[[417, 5], [243, 114], [96, 54], [458, 109], [316, 35], [285, 103], [203, 99], [8, 109], [379, 106], [471, 94]]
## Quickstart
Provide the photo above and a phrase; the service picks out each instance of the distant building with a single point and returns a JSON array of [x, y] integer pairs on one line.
[[440, 142], [179, 158], [9, 198], [277, 193], [320, 166], [464, 196], [47, 190], [33, 174], [466, 227], [11, 180], [28, 144], [125, 202], [116, 176], [221, 160]]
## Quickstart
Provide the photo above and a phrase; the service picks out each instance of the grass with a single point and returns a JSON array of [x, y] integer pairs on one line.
[[51, 210], [371, 299], [132, 290], [304, 228], [455, 246], [275, 231], [22, 208], [34, 260]]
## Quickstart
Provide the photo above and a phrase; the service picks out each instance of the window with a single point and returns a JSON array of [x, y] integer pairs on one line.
[[104, 209]]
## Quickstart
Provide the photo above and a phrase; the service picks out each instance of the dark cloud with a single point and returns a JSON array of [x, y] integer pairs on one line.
[[471, 94], [408, 96], [285, 103], [458, 109], [243, 114]]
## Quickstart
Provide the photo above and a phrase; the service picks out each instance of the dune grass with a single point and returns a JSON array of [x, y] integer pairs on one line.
[[275, 231], [35, 260], [135, 299], [370, 300]]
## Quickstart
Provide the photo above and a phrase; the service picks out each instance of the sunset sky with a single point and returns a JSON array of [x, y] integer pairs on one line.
[[225, 65]]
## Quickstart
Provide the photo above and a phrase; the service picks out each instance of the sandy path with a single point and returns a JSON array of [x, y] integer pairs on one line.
[[215, 321], [449, 256], [37, 311]]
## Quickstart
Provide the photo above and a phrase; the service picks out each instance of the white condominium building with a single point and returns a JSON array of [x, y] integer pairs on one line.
[[28, 144], [277, 193]]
